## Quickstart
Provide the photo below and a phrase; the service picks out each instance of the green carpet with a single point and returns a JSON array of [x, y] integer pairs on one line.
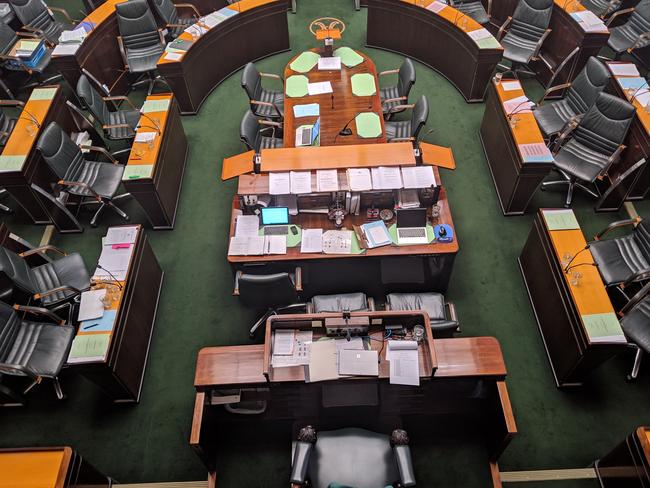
[[149, 441]]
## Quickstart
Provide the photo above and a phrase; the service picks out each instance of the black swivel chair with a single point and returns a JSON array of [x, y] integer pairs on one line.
[[596, 143], [7, 125], [141, 42], [602, 8], [116, 124], [442, 315], [623, 260], [252, 130], [525, 32], [553, 116], [633, 34], [342, 302], [398, 94], [53, 284], [473, 9], [277, 293], [91, 181], [264, 102], [34, 350], [38, 18], [408, 130], [351, 457], [168, 12], [635, 323]]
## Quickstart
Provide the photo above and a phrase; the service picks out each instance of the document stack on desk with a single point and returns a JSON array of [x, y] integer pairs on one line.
[[390, 178], [404, 363], [291, 347], [116, 253], [330, 359], [257, 245]]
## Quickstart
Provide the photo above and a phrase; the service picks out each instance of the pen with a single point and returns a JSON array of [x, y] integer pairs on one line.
[[91, 326]]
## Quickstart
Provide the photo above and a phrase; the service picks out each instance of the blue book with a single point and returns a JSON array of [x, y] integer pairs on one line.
[[374, 234]]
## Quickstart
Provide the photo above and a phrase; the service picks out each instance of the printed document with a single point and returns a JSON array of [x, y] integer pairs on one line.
[[247, 226], [312, 240], [319, 88], [91, 305], [300, 182], [327, 180], [279, 183], [404, 363], [418, 176], [359, 179], [331, 63]]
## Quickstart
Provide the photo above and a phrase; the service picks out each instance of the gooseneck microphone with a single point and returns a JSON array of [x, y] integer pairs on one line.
[[580, 264], [345, 131], [568, 265], [117, 282]]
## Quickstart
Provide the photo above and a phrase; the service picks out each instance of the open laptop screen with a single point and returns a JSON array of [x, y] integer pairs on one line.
[[275, 215], [411, 217]]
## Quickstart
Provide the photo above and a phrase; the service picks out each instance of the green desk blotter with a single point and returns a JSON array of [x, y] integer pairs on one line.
[[392, 230], [292, 239], [305, 62], [349, 57], [137, 171], [296, 86], [368, 125], [43, 94], [363, 85], [12, 162]]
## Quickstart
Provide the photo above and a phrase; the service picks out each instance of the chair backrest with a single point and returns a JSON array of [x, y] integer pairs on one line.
[[91, 98], [405, 78], [9, 327], [531, 19], [60, 152], [8, 38], [639, 21], [249, 130], [137, 24], [642, 236], [587, 85], [251, 81], [604, 127], [16, 270], [264, 291], [419, 116], [342, 302], [166, 10], [33, 13]]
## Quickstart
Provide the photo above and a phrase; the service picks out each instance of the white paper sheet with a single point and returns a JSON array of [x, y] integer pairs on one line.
[[91, 305], [337, 242], [247, 226], [386, 178], [479, 34], [319, 88], [283, 342], [510, 85], [623, 69], [300, 182], [404, 367], [329, 63], [65, 49], [312, 240], [518, 105], [279, 183], [275, 244], [246, 246], [300, 354], [418, 176], [359, 179], [144, 136], [327, 180], [173, 56], [114, 262], [436, 6], [121, 235]]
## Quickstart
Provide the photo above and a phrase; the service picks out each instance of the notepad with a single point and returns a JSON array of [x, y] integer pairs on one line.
[[306, 110], [91, 305], [257, 245], [623, 69], [247, 226], [603, 327], [404, 363], [312, 241]]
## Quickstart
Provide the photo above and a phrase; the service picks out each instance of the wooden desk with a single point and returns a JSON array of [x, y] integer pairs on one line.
[[628, 464], [120, 372], [563, 307], [376, 271], [99, 52], [464, 366], [515, 179], [20, 163], [259, 30], [337, 109], [440, 40], [48, 467], [154, 171]]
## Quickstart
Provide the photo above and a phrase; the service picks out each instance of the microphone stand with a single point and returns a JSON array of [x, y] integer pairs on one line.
[[568, 265]]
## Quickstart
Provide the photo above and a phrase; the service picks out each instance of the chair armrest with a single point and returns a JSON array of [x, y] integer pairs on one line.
[[64, 12], [267, 104], [616, 225], [34, 29], [404, 465], [612, 159], [451, 307], [540, 42], [58, 289], [100, 150], [235, 290], [32, 35], [175, 26], [42, 249], [11, 103], [391, 100], [638, 276], [271, 75], [618, 14], [388, 72], [269, 123], [120, 98], [489, 9], [9, 58], [569, 127], [190, 6], [300, 462], [402, 139], [502, 29], [298, 278], [643, 37], [116, 126], [552, 89], [83, 185], [19, 369], [125, 60], [39, 311]]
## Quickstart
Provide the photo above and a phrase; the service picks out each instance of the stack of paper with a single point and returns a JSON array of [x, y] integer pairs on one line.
[[535, 153], [306, 110], [293, 182], [73, 36], [323, 362], [247, 226], [91, 305], [26, 48], [623, 69], [116, 253], [404, 363], [257, 245], [375, 234], [518, 105], [359, 179], [386, 178], [312, 241], [291, 347], [589, 21], [418, 176], [329, 63], [327, 180]]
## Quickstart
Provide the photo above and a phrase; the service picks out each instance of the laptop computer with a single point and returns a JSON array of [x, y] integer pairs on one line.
[[306, 135], [411, 226], [275, 221], [358, 362]]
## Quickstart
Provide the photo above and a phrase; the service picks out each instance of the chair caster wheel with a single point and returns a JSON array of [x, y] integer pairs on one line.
[[629, 379], [251, 336], [542, 188]]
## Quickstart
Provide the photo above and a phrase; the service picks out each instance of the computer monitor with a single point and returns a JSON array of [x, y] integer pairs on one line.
[[411, 217], [275, 215]]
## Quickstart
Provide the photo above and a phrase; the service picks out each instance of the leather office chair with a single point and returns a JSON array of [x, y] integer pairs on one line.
[[141, 42], [525, 32], [602, 8], [53, 284], [252, 130], [39, 18], [408, 130], [633, 34], [442, 315], [398, 94], [582, 92], [264, 102], [117, 124], [168, 12], [635, 323], [34, 350], [473, 9], [623, 260], [342, 302], [7, 125], [277, 293], [596, 143], [351, 457], [92, 181]]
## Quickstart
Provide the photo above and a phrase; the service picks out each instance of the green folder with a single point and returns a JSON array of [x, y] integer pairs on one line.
[[368, 125], [392, 230], [560, 219], [137, 171], [155, 106], [488, 43], [12, 163], [89, 346], [363, 85], [349, 57], [43, 94], [603, 327], [305, 62], [296, 86]]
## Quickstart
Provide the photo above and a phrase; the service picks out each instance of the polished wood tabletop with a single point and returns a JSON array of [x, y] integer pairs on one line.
[[336, 109], [34, 468]]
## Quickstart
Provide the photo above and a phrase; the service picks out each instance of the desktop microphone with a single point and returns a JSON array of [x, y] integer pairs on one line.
[[568, 265], [346, 131], [580, 264], [515, 112], [156, 126], [117, 282], [645, 83]]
